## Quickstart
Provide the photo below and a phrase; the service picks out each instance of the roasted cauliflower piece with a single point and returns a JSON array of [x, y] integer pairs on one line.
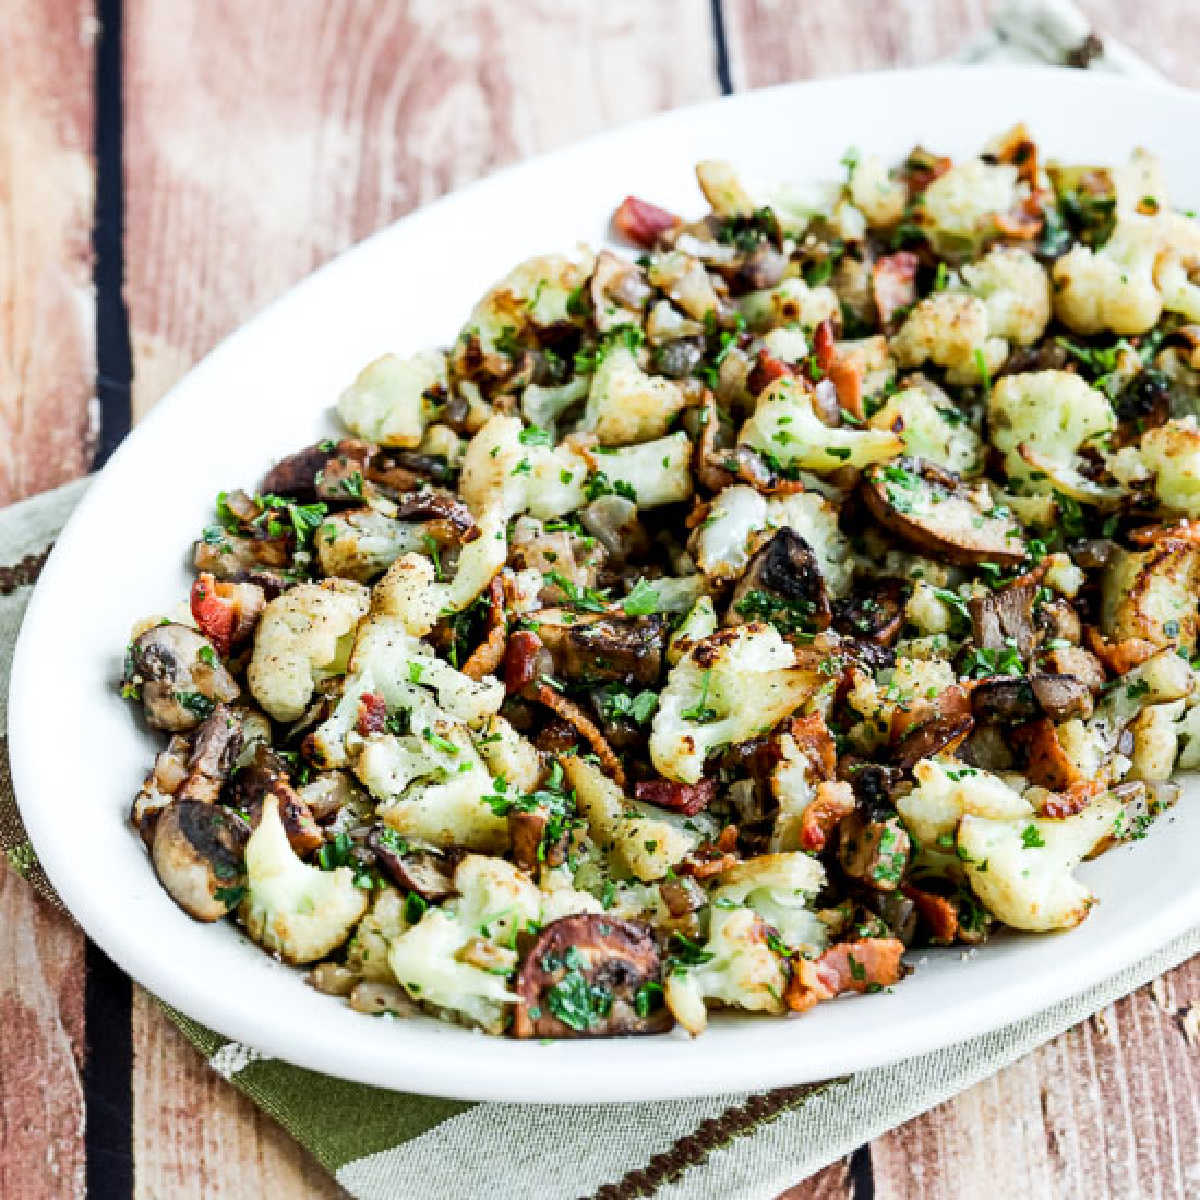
[[393, 398], [625, 404], [291, 908]]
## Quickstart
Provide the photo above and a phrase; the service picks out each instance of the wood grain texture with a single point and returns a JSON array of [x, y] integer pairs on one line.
[[47, 368], [47, 354], [41, 1047], [260, 140]]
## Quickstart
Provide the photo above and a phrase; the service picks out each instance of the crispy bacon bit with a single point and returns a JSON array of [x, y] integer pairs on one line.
[[863, 966], [489, 654], [712, 858], [938, 912], [1182, 531], [1119, 657], [641, 222], [894, 283], [372, 714], [815, 742], [767, 370], [922, 167], [843, 374], [1074, 800], [521, 660], [833, 802], [1048, 765], [1022, 224], [226, 613], [570, 712], [686, 798]]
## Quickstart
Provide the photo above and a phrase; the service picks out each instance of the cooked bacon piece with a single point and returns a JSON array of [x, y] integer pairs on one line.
[[489, 654], [894, 283], [766, 370], [641, 222], [814, 740], [1119, 657], [1048, 765], [862, 966], [1182, 531], [711, 858], [833, 802], [1074, 800], [938, 912], [843, 374], [952, 701], [372, 714], [226, 612], [1023, 223], [922, 167], [570, 712], [525, 658], [685, 798]]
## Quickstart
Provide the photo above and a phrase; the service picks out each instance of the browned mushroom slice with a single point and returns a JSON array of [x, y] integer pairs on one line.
[[937, 514], [943, 735], [873, 851], [445, 513], [1005, 698], [218, 742], [1062, 697], [425, 872], [180, 676], [301, 475], [165, 779], [197, 854], [1005, 617], [874, 612], [591, 976], [266, 774], [782, 584], [595, 648]]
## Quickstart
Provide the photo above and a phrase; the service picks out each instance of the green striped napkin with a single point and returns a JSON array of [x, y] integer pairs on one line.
[[383, 1145]]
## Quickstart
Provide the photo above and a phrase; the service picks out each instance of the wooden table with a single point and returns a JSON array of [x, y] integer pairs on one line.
[[245, 142]]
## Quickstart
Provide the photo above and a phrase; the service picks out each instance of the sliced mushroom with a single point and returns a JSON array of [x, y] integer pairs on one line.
[[872, 851], [596, 648], [425, 872], [448, 518], [198, 855], [327, 793], [215, 748], [874, 612], [1062, 697], [266, 774], [180, 676], [937, 514], [318, 472], [591, 975], [614, 520], [232, 557], [1008, 699], [782, 584], [165, 779], [1005, 617], [942, 735]]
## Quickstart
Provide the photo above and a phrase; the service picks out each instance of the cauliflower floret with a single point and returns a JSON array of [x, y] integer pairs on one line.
[[1172, 454], [1155, 733], [436, 960], [792, 302], [743, 971], [1141, 182], [362, 543], [508, 755], [1015, 288], [640, 841], [946, 790], [543, 406], [389, 402], [722, 189], [933, 431], [785, 426], [722, 540], [659, 472], [815, 519], [407, 675], [500, 472], [411, 591], [878, 700], [700, 622], [537, 291], [926, 610], [779, 887], [793, 783], [299, 912], [625, 404], [1021, 869], [1176, 266], [1151, 594], [432, 788], [1111, 288], [1054, 412], [879, 198], [303, 637], [951, 330], [729, 687], [366, 953], [685, 281], [959, 209]]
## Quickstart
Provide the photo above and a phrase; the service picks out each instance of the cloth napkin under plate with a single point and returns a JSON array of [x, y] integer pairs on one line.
[[383, 1145]]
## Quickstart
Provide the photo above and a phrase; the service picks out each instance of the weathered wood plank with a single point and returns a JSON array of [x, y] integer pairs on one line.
[[47, 353], [47, 368], [262, 139]]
